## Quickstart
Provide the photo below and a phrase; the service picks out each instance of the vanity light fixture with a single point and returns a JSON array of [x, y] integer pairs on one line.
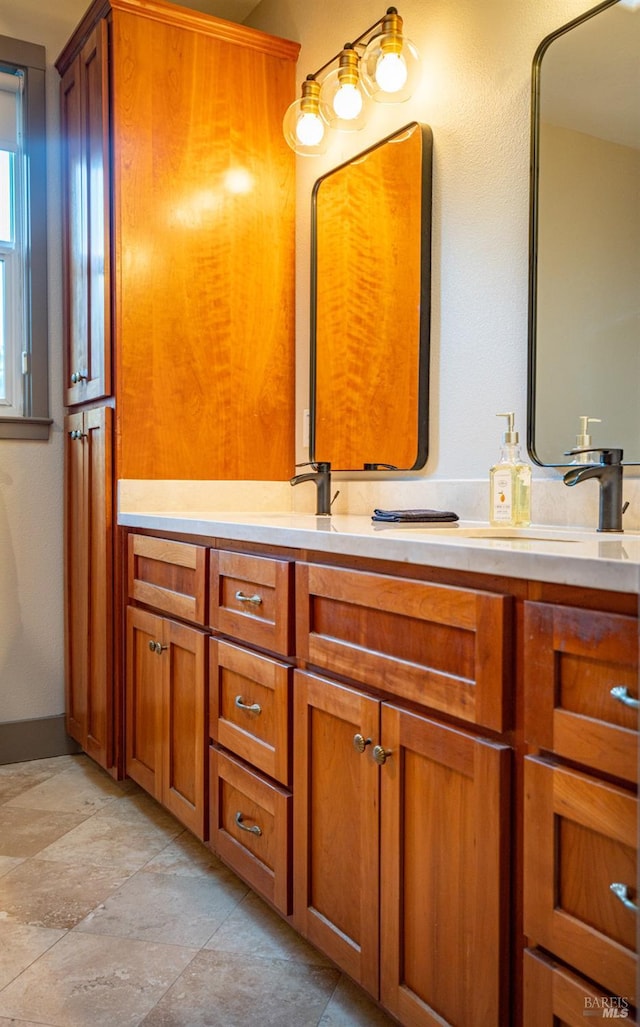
[[381, 65]]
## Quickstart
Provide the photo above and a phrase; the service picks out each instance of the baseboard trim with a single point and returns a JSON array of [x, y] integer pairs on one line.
[[23, 740]]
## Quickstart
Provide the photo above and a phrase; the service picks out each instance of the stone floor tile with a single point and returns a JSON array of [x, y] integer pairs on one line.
[[223, 990], [87, 980], [8, 863], [126, 833], [79, 789], [349, 1006], [167, 908], [187, 857], [254, 930], [51, 894], [17, 777], [23, 834], [20, 946]]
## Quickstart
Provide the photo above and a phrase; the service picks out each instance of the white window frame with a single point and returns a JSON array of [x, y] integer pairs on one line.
[[24, 412]]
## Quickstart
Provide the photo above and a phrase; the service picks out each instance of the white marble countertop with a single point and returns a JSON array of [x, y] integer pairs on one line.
[[543, 553]]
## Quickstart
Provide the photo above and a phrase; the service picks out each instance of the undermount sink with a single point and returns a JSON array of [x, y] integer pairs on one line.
[[507, 534]]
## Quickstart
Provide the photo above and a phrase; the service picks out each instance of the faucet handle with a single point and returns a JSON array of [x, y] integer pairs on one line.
[[323, 465], [607, 456]]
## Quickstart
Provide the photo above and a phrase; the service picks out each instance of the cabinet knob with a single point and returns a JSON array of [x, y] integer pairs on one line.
[[77, 434], [77, 376], [157, 647], [621, 693], [381, 755], [253, 707], [360, 743], [254, 829], [621, 891]]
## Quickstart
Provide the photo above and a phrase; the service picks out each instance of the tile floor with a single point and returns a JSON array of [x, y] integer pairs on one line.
[[112, 915]]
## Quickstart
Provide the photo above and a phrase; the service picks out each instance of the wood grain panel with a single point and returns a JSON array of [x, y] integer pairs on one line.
[[170, 576], [444, 884], [336, 831], [262, 860], [555, 997], [573, 660], [204, 197], [267, 621], [447, 648], [259, 736], [579, 834]]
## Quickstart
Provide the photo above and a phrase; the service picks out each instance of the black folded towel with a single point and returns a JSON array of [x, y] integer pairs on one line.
[[415, 516]]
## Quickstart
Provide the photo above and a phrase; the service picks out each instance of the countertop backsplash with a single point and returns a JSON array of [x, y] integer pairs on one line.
[[552, 503]]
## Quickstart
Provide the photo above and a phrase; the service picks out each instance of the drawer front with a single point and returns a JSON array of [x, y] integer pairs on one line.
[[555, 997], [170, 576], [250, 827], [249, 707], [580, 840], [447, 648], [581, 680], [249, 599]]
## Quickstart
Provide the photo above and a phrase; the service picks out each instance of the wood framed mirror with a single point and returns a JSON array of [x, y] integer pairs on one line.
[[370, 307]]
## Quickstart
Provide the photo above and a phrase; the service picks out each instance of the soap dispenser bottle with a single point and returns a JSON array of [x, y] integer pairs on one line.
[[510, 483], [584, 440]]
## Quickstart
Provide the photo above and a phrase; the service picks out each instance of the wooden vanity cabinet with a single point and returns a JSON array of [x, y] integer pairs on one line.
[[580, 801], [89, 600], [401, 822], [165, 687]]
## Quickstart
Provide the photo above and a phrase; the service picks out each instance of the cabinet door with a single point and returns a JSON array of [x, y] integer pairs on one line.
[[184, 749], [144, 700], [89, 587], [444, 882], [336, 790], [580, 840], [85, 127]]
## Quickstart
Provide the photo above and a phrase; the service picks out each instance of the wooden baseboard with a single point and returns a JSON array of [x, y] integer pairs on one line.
[[23, 740]]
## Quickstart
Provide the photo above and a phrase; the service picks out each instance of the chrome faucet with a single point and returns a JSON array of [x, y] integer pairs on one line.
[[321, 475], [609, 474]]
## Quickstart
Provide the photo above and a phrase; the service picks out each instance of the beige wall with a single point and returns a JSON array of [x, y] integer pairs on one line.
[[475, 95]]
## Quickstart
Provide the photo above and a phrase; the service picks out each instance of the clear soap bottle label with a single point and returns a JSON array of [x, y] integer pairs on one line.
[[502, 496]]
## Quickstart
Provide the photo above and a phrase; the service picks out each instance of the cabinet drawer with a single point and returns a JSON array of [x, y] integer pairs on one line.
[[251, 827], [249, 702], [169, 576], [447, 648], [250, 599], [580, 839], [555, 996], [581, 679]]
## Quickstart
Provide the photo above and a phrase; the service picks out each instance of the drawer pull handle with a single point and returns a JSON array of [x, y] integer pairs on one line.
[[621, 891], [381, 755], [254, 829], [621, 693], [254, 600], [360, 743], [253, 707]]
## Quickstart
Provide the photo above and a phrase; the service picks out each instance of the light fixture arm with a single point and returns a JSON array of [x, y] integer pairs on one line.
[[391, 11], [380, 64]]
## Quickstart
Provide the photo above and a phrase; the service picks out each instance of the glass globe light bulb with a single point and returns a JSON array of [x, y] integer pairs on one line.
[[309, 129], [391, 72], [347, 103]]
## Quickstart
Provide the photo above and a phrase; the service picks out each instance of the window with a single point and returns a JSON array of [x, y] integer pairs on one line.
[[23, 239]]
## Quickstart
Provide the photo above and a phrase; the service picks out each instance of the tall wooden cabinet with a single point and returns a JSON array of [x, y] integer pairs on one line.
[[179, 275]]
